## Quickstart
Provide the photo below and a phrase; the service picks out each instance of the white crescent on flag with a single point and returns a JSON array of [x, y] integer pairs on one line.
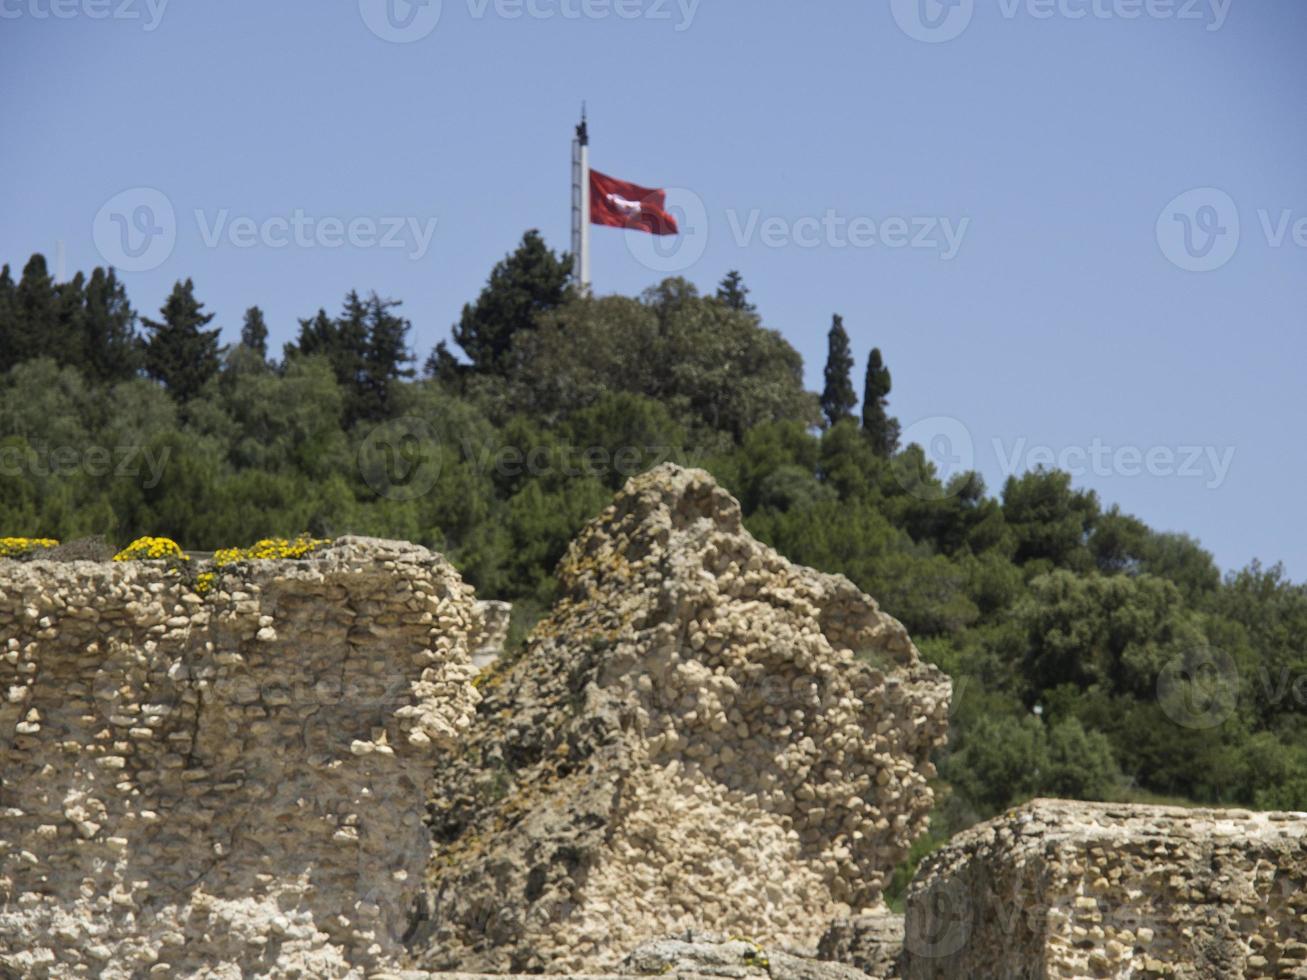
[[623, 205], [620, 204]]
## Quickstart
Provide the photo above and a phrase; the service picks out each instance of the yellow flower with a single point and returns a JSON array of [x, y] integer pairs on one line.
[[13, 547], [151, 549], [269, 549]]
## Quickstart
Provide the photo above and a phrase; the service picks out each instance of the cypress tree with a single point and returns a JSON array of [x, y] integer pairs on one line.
[[837, 397], [881, 429], [179, 352]]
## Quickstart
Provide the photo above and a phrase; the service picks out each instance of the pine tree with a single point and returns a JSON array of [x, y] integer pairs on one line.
[[87, 325], [385, 356], [69, 343], [111, 347], [340, 340], [179, 352], [367, 349], [529, 282], [443, 366], [254, 332], [881, 429], [33, 327], [8, 320], [317, 336], [348, 354], [837, 397], [735, 294]]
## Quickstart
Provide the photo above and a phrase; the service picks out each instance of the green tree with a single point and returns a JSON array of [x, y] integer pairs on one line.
[[837, 397], [847, 464], [523, 286], [1117, 633], [8, 320], [111, 347], [29, 316], [735, 294], [320, 335], [999, 761], [179, 352], [81, 323], [68, 343], [766, 450], [1050, 520], [716, 370], [366, 346], [443, 366], [621, 435], [1081, 765], [254, 332], [1270, 612], [880, 428], [385, 358], [288, 421]]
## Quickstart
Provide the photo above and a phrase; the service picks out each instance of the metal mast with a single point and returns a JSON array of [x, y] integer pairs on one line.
[[581, 203]]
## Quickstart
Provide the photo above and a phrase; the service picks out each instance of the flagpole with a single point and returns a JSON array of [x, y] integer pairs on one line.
[[581, 203]]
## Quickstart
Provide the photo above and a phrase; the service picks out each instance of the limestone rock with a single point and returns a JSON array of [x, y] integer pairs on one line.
[[712, 956], [872, 943], [180, 787], [706, 955], [1061, 889], [702, 735]]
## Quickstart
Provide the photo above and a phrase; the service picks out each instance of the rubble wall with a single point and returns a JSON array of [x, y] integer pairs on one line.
[[226, 776], [1065, 889]]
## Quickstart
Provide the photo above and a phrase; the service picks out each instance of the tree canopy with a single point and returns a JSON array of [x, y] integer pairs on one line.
[[1088, 651]]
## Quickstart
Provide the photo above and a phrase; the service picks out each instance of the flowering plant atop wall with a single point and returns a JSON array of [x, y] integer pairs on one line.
[[152, 549]]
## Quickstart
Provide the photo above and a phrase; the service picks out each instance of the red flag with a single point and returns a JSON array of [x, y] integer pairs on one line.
[[616, 204]]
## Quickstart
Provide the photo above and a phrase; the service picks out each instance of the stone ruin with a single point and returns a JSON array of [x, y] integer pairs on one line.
[[224, 784], [702, 734], [1066, 889], [705, 763]]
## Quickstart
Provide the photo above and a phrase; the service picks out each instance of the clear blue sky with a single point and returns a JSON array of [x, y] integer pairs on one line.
[[1063, 320]]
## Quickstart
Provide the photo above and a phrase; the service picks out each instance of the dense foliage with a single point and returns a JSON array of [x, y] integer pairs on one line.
[[1092, 656]]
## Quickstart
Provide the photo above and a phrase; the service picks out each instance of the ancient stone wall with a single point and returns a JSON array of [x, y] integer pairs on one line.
[[223, 781], [1060, 889], [702, 735], [706, 758]]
